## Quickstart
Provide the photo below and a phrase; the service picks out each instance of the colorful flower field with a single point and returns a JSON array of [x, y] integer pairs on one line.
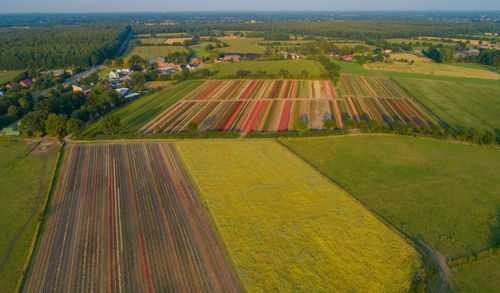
[[365, 86], [126, 218], [274, 106]]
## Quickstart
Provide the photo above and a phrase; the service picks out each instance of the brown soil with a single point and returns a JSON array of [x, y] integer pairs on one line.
[[47, 146]]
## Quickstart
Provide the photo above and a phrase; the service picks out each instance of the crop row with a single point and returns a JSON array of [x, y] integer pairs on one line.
[[282, 115], [262, 89], [126, 218], [364, 86]]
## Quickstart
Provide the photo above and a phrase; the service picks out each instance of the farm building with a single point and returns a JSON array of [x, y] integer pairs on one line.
[[78, 87], [26, 83], [347, 57]]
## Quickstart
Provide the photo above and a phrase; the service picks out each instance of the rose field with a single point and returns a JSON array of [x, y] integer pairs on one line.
[[270, 106], [126, 218]]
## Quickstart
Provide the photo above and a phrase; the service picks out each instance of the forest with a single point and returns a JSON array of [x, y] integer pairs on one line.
[[59, 47]]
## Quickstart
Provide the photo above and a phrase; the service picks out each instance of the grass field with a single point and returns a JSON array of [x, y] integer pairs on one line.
[[24, 181], [482, 276], [148, 52], [134, 115], [6, 76], [295, 67], [456, 103], [424, 65], [442, 193], [287, 228], [242, 46]]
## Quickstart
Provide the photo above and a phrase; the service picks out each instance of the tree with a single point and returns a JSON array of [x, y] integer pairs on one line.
[[204, 73], [488, 137], [350, 123], [136, 60], [192, 127], [330, 124], [363, 126], [410, 126], [397, 126], [373, 124], [74, 126], [138, 79], [448, 132], [304, 73], [118, 62], [241, 73], [56, 125], [12, 111], [283, 73], [301, 126], [33, 123], [110, 124], [436, 130], [476, 136]]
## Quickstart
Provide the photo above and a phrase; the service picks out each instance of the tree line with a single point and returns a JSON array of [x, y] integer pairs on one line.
[[59, 47]]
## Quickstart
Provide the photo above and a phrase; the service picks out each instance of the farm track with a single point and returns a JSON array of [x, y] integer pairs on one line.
[[126, 218]]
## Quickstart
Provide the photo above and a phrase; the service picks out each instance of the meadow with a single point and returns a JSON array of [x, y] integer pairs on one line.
[[294, 67], [287, 228], [126, 218], [24, 180], [149, 52], [442, 193], [6, 76], [242, 46], [481, 276], [458, 104], [425, 65], [137, 113]]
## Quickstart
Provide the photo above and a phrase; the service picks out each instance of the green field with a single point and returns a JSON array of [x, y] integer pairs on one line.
[[242, 46], [481, 276], [134, 115], [148, 52], [288, 229], [6, 76], [295, 67], [24, 181], [456, 103], [445, 194]]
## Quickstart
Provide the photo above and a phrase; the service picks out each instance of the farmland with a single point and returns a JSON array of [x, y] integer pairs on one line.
[[456, 103], [147, 52], [242, 46], [482, 276], [425, 65], [134, 115], [126, 218], [361, 86], [269, 106], [294, 67], [422, 187], [287, 228], [25, 175]]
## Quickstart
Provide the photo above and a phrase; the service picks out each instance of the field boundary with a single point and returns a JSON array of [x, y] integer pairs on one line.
[[426, 256], [211, 222], [41, 225]]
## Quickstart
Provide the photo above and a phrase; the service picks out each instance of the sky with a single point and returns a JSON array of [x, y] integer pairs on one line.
[[8, 6]]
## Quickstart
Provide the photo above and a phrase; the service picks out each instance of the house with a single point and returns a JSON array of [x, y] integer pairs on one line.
[[35, 79], [122, 91], [2, 93], [114, 75], [232, 57], [191, 67], [107, 88], [418, 53], [70, 71], [197, 60], [333, 54], [167, 70], [387, 51], [25, 83], [123, 70], [347, 57], [78, 87], [114, 84]]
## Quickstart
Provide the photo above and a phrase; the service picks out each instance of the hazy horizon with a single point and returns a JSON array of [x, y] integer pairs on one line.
[[117, 6]]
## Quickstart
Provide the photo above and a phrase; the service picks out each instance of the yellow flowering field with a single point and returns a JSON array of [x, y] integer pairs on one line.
[[287, 228]]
